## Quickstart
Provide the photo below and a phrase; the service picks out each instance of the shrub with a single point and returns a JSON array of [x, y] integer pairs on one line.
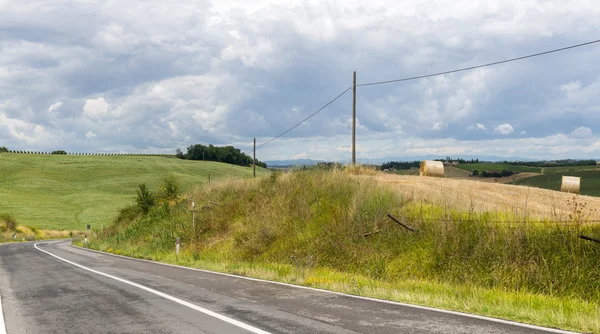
[[59, 152], [3, 149], [476, 173], [170, 187], [10, 224], [145, 198]]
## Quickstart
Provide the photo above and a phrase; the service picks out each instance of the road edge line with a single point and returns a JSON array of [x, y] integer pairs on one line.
[[2, 323], [158, 293], [427, 308]]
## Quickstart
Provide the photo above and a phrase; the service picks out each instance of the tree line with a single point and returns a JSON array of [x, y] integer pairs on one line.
[[225, 154]]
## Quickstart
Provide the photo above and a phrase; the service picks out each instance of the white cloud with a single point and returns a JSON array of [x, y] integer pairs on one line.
[[504, 129], [96, 108], [55, 106], [571, 87], [477, 126], [523, 132], [582, 132], [439, 126], [90, 135]]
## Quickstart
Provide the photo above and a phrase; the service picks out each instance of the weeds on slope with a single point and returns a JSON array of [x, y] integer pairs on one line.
[[316, 226]]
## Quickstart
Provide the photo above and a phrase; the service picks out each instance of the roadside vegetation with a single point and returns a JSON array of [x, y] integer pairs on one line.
[[68, 192], [10, 231], [330, 229]]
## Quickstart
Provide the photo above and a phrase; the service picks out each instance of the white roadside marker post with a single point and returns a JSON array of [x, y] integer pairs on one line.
[[89, 227], [177, 249], [193, 218]]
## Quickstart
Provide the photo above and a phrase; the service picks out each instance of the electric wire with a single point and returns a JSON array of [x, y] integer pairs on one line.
[[478, 66], [426, 76], [304, 120]]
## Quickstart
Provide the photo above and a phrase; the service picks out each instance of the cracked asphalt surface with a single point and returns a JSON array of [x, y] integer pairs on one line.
[[42, 294]]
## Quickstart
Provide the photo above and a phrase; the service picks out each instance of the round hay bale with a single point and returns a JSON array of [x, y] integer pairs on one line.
[[570, 184], [432, 168]]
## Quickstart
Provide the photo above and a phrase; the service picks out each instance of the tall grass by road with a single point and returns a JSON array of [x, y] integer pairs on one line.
[[331, 230]]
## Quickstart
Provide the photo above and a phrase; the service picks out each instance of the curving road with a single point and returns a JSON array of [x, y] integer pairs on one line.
[[51, 287]]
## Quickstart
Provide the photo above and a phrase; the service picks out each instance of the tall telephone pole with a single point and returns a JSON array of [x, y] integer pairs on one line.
[[354, 120], [254, 159]]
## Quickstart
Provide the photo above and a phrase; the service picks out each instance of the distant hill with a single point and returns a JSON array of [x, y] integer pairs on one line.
[[69, 192], [292, 162]]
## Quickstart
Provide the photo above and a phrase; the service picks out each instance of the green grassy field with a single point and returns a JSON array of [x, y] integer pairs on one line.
[[499, 167], [552, 178], [69, 192]]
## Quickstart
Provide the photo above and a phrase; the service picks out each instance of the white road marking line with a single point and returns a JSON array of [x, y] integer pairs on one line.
[[164, 295], [467, 315], [2, 324]]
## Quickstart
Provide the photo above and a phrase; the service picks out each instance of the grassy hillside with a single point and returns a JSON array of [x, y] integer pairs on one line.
[[552, 178], [499, 167], [479, 247], [68, 192]]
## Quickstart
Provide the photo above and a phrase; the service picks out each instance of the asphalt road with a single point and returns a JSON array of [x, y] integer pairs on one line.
[[56, 288]]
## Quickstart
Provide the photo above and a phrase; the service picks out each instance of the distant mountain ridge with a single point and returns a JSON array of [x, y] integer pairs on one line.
[[379, 161], [292, 162]]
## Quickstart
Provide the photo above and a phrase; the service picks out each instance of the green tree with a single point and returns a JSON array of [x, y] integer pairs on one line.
[[476, 173], [145, 198], [3, 149], [59, 152]]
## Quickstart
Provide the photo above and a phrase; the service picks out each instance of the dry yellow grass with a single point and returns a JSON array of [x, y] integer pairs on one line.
[[27, 233], [478, 196]]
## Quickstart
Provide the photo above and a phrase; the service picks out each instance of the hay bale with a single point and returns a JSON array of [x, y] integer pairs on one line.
[[432, 168], [570, 184]]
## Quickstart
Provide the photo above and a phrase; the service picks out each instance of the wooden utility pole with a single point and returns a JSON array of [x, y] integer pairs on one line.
[[354, 119], [254, 159]]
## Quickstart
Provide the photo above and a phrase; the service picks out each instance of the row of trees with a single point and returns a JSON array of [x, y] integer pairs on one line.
[[412, 164], [226, 154], [400, 165], [554, 163], [459, 160], [61, 152], [486, 173]]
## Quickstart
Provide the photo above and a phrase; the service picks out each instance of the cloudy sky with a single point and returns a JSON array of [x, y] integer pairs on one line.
[[152, 76]]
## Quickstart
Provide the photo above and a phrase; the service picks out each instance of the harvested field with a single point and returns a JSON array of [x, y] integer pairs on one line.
[[463, 194]]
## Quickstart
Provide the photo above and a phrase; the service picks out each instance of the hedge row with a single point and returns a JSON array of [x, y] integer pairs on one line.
[[94, 154]]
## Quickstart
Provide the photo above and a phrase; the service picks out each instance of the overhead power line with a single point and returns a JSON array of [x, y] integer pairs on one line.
[[478, 66], [426, 76], [306, 119]]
